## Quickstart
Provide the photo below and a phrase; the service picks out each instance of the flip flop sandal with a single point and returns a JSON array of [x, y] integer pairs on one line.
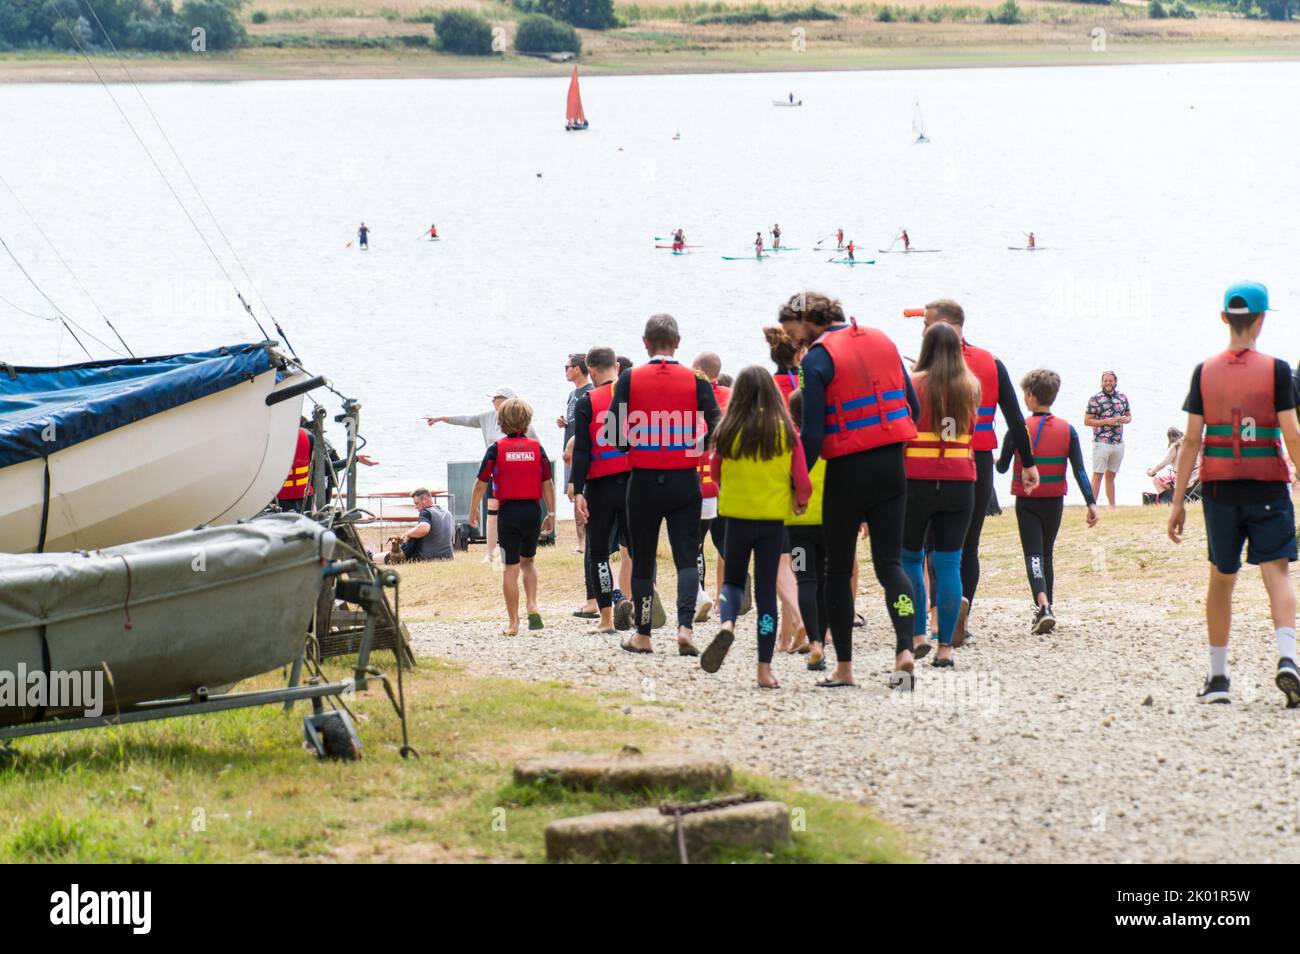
[[509, 632], [658, 617], [834, 684], [626, 644], [818, 666], [535, 621], [921, 651], [716, 651], [623, 615], [601, 632], [859, 621], [687, 649], [777, 686], [804, 650], [583, 614], [942, 663]]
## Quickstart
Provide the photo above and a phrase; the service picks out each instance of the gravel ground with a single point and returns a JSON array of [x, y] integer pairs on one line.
[[1086, 746]]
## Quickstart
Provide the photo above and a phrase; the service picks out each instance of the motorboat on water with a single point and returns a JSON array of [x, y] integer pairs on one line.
[[107, 452]]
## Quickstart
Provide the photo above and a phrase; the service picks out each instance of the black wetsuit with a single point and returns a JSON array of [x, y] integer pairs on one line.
[[869, 486], [606, 507], [655, 497]]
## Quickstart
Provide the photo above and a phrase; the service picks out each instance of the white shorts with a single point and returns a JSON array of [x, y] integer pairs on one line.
[[709, 508], [1106, 458]]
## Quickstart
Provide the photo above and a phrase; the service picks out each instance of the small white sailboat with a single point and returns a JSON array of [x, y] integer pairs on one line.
[[918, 124]]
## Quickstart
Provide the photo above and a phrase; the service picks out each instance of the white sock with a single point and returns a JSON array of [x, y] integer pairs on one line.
[[1218, 660], [1286, 642]]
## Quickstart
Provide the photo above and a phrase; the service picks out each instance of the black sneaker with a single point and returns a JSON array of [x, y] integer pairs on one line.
[[623, 613], [1044, 621], [1215, 690], [1288, 680]]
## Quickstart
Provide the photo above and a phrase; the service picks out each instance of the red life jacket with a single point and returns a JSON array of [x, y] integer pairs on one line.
[[1242, 437], [663, 417], [707, 487], [1049, 436], [517, 472], [984, 366], [866, 400], [606, 458], [787, 383], [296, 486], [929, 456]]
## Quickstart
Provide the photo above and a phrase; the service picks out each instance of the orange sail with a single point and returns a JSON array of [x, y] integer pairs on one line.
[[573, 112]]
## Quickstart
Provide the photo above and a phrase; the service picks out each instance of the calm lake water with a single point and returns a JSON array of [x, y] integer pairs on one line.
[[1150, 187]]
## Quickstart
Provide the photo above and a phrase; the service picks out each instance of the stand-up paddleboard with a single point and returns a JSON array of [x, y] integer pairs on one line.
[[783, 248], [906, 251], [688, 246], [743, 258], [1026, 248], [782, 102], [852, 261]]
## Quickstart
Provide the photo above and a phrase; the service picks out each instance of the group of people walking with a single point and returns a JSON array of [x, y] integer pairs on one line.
[[785, 469]]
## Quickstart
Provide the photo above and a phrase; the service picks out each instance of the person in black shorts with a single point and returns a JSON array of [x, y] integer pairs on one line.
[[666, 413], [1244, 402], [521, 472]]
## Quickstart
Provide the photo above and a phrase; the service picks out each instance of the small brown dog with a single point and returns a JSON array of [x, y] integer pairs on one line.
[[394, 554]]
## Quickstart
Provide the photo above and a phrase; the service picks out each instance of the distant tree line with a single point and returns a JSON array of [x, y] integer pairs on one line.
[[588, 14], [152, 25]]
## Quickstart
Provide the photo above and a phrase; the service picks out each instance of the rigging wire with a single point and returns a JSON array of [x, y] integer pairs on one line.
[[62, 316], [64, 263], [170, 188], [121, 62]]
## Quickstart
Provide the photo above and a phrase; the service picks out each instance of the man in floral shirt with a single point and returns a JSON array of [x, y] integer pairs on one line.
[[1107, 413]]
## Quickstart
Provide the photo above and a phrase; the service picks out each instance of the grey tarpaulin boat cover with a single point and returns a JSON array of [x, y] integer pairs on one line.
[[162, 617]]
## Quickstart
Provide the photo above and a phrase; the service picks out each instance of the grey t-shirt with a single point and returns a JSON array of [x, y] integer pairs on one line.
[[485, 422], [437, 543]]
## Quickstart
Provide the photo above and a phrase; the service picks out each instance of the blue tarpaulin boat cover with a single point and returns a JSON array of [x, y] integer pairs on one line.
[[85, 400]]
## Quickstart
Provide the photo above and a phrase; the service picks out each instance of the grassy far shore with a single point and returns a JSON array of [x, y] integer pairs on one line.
[[299, 39]]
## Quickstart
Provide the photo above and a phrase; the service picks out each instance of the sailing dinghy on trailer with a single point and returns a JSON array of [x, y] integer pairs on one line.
[[103, 453]]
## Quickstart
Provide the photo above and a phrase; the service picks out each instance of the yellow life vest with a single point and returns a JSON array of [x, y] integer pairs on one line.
[[753, 489], [811, 517]]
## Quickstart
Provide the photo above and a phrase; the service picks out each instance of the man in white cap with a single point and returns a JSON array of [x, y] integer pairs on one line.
[[487, 423]]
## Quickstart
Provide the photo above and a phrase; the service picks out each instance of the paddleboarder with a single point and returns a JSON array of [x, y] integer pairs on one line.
[[849, 250], [363, 236], [839, 238], [758, 244], [679, 240], [1033, 243], [776, 236], [907, 241], [433, 231]]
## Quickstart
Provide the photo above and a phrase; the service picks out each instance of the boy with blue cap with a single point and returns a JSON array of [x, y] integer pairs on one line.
[[1244, 402]]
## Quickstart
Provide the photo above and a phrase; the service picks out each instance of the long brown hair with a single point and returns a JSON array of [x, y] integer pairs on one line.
[[951, 391], [757, 423]]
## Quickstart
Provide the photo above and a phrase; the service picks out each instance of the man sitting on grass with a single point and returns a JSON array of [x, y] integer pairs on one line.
[[431, 538]]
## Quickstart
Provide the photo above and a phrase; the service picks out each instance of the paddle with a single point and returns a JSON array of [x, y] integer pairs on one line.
[[823, 239], [896, 238]]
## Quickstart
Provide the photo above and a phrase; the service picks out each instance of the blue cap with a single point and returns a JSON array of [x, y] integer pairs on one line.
[[1253, 294]]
